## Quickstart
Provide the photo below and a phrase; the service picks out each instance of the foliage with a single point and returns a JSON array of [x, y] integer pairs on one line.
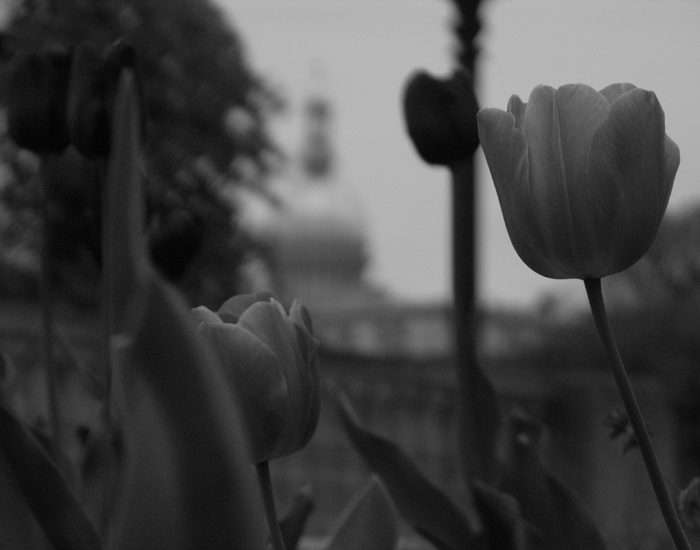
[[194, 78], [191, 65], [169, 463]]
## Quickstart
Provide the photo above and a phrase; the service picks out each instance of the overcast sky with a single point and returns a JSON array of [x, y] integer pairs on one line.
[[369, 47]]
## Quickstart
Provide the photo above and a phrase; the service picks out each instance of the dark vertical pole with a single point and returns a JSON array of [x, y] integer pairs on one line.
[[480, 415], [464, 202]]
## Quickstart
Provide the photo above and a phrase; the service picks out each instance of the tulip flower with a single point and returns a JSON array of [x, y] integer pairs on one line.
[[270, 359], [36, 100], [91, 93], [583, 177], [440, 117]]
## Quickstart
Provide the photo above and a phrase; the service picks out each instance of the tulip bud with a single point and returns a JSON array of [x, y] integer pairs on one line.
[[93, 85], [583, 177], [441, 117], [36, 100], [270, 359], [174, 244]]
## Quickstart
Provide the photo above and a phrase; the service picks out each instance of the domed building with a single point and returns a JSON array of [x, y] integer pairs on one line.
[[316, 233]]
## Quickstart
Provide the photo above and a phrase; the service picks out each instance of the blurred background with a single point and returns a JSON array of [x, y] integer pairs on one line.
[[278, 158]]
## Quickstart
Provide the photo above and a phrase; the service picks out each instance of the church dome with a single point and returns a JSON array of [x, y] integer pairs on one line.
[[317, 232], [325, 210]]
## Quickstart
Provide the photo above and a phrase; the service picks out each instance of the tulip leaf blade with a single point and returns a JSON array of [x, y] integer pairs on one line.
[[429, 510], [367, 522], [551, 507], [295, 518], [44, 490], [504, 526], [481, 422], [186, 478]]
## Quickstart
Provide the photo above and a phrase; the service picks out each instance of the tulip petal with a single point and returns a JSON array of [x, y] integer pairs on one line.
[[672, 160], [630, 172], [253, 371], [559, 127], [203, 314], [517, 108], [231, 310], [300, 315], [309, 349], [612, 92], [270, 323], [506, 153]]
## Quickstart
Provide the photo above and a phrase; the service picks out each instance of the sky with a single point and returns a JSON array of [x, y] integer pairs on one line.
[[369, 48]]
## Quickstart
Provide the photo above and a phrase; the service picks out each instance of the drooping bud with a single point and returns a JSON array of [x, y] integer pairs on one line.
[[36, 100], [441, 117]]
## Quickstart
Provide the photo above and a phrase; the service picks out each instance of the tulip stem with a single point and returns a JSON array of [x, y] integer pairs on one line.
[[107, 283], [263, 469], [47, 306], [663, 497]]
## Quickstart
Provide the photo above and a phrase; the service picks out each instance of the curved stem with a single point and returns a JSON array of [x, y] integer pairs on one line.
[[47, 307], [263, 469], [106, 328], [595, 298], [107, 309]]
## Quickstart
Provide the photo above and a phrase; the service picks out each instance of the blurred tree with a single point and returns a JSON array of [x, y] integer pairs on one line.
[[671, 268], [655, 314], [205, 109]]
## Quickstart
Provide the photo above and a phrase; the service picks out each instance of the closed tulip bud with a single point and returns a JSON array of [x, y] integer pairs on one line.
[[93, 84], [441, 117], [36, 100], [583, 177], [270, 359], [176, 242]]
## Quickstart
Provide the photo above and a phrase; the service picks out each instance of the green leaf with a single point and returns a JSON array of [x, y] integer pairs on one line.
[[293, 522], [186, 478], [430, 511], [20, 529], [480, 422], [8, 381], [504, 525], [99, 468], [560, 517], [368, 522], [43, 489]]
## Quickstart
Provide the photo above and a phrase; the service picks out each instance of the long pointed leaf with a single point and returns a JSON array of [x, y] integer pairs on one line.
[[368, 522], [47, 494], [480, 422], [187, 479], [430, 511], [20, 529], [505, 527], [554, 510], [293, 522]]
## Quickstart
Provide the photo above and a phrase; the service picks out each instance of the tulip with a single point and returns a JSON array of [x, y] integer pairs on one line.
[[91, 94], [440, 117], [270, 359], [583, 177], [36, 100]]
